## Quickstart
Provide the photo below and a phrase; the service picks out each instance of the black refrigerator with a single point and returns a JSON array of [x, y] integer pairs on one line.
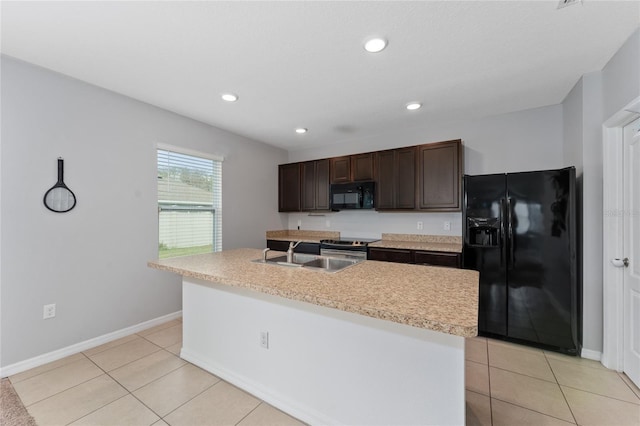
[[520, 232]]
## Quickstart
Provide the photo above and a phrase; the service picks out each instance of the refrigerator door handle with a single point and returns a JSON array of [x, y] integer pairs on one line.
[[502, 242], [512, 257]]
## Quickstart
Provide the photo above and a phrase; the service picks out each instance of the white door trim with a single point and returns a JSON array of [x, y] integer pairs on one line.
[[612, 229]]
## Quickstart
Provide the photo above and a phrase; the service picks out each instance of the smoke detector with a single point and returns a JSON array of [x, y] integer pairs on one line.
[[565, 3]]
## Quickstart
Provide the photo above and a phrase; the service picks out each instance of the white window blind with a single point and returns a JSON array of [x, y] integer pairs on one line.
[[189, 204]]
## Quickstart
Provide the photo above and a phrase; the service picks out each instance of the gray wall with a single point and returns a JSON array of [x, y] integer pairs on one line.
[[594, 99], [519, 141], [621, 77], [583, 148], [572, 128], [91, 261]]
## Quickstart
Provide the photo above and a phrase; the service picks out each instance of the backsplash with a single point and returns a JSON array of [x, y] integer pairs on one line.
[[423, 238], [307, 233], [372, 224]]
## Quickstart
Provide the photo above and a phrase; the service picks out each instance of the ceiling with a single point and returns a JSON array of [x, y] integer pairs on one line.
[[302, 63]]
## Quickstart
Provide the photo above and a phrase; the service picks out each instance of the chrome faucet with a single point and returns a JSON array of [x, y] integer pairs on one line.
[[292, 245], [264, 254]]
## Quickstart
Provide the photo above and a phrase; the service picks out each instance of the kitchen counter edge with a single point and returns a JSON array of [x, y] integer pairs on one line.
[[456, 288]]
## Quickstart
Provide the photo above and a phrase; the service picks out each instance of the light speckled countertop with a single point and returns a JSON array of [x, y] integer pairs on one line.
[[451, 244], [440, 299], [302, 235]]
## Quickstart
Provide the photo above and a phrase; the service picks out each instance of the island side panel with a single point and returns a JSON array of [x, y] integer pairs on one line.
[[324, 366]]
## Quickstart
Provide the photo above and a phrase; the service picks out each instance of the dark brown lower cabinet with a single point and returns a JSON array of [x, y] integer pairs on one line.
[[437, 258], [431, 258], [308, 248], [390, 255]]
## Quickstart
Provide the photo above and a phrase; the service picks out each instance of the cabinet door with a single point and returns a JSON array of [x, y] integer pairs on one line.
[[437, 258], [308, 248], [406, 178], [322, 185], [440, 175], [308, 194], [340, 169], [315, 185], [289, 187], [362, 166], [278, 245], [390, 255], [385, 192]]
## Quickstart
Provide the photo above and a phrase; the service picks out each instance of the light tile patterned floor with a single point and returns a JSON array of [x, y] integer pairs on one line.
[[140, 380], [510, 384]]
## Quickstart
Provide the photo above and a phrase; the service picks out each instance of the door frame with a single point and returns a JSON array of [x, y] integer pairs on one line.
[[612, 234]]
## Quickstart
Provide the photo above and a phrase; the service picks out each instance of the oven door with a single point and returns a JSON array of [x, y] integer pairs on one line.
[[346, 254]]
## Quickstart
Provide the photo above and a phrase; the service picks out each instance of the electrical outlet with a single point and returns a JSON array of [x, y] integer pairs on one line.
[[49, 311], [420, 225], [327, 223], [299, 224], [264, 339], [447, 226]]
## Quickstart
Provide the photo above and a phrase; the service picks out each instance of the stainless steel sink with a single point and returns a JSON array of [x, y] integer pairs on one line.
[[331, 264], [313, 262]]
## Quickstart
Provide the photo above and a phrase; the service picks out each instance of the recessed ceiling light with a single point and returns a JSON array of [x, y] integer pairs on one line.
[[301, 130], [229, 97], [413, 106], [375, 45]]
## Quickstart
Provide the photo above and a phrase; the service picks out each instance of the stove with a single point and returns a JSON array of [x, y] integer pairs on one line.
[[346, 247]]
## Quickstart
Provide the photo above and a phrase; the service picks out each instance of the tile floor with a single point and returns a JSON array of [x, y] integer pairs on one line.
[[509, 384], [140, 380]]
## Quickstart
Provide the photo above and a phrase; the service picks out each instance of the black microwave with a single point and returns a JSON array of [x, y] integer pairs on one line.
[[351, 196]]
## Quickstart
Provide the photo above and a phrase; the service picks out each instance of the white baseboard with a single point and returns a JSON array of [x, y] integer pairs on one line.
[[294, 409], [39, 360], [589, 354]]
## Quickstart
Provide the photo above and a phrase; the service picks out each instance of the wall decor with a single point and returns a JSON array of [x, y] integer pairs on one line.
[[60, 198]]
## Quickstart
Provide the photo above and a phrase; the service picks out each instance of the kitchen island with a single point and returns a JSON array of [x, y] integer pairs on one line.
[[376, 343]]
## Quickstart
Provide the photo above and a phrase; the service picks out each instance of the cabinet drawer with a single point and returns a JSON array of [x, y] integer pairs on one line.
[[451, 260], [390, 255]]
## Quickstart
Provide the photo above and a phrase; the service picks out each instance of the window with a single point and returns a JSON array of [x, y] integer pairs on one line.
[[189, 203]]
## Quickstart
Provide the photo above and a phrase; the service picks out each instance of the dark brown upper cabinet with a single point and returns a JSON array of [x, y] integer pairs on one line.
[[422, 177], [396, 179], [386, 183], [352, 168], [362, 167], [440, 176], [315, 185], [340, 169], [289, 187]]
